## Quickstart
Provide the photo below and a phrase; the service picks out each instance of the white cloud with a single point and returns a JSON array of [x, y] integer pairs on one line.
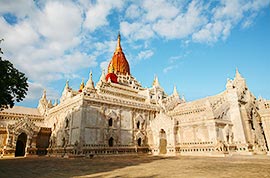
[[229, 10], [17, 36], [21, 9], [183, 25], [204, 22], [51, 21], [133, 11], [96, 15], [43, 44], [169, 68], [175, 58], [55, 69], [136, 31], [159, 9], [225, 17], [212, 32], [145, 54]]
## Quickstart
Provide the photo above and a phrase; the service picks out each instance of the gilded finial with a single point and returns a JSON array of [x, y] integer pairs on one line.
[[118, 47], [81, 86]]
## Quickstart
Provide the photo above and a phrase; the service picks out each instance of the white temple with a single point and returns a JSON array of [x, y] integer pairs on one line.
[[119, 116]]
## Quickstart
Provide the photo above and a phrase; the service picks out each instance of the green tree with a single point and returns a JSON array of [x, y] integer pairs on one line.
[[13, 84]]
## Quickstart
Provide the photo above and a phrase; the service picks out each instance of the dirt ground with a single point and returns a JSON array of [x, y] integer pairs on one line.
[[136, 166]]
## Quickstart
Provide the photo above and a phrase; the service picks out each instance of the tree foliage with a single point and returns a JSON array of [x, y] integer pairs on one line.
[[13, 84]]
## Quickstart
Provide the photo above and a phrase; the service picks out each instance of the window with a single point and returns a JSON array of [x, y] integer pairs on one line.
[[110, 122], [138, 125]]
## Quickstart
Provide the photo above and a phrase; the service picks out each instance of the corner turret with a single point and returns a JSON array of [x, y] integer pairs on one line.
[[89, 87]]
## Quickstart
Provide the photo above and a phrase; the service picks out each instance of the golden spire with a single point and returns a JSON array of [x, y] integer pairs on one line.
[[82, 85], [118, 47]]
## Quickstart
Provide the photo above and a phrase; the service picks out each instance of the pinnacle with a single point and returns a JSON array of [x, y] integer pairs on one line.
[[156, 82], [90, 83], [175, 92]]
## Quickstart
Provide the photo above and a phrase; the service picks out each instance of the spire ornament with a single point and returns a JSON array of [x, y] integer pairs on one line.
[[237, 74], [44, 94], [81, 86], [118, 47], [90, 83], [156, 82], [175, 92]]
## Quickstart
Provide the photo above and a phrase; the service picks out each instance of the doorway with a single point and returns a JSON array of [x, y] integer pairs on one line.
[[162, 142], [20, 145], [111, 142]]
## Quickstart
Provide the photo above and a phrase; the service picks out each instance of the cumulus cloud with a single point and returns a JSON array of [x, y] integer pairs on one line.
[[203, 22], [212, 32], [42, 43], [133, 11], [96, 16], [183, 25], [225, 17], [19, 9], [159, 9], [51, 23], [136, 31]]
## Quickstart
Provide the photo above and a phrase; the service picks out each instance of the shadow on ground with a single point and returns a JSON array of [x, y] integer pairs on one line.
[[70, 167], [137, 166]]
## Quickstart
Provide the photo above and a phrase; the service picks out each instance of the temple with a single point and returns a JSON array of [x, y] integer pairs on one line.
[[119, 116]]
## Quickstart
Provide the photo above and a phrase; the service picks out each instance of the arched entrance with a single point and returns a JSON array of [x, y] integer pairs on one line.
[[20, 145], [111, 142], [162, 142], [139, 142]]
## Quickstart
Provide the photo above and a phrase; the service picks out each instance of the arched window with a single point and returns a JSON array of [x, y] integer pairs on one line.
[[139, 142], [138, 125], [111, 142], [110, 122]]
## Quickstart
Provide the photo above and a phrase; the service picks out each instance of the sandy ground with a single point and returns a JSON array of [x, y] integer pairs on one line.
[[136, 166]]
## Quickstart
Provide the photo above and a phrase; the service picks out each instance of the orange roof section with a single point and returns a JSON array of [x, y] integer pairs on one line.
[[119, 63]]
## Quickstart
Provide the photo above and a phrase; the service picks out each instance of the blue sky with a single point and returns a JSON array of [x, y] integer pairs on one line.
[[195, 45]]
